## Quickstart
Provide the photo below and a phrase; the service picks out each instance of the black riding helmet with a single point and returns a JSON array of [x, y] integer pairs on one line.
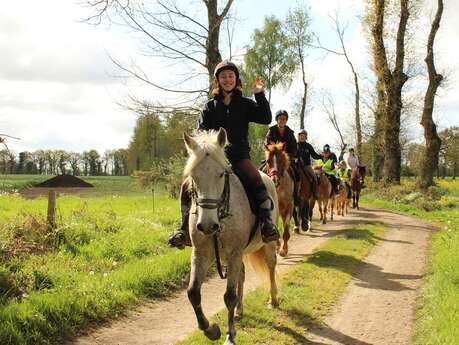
[[326, 148], [281, 112], [226, 65], [303, 131]]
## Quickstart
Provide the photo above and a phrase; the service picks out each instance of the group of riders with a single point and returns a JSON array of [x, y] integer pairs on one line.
[[230, 110]]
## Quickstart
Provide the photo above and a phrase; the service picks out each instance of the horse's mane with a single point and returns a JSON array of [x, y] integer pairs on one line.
[[207, 146], [278, 147]]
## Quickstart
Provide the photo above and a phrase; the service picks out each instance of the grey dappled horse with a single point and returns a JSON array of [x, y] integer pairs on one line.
[[220, 224]]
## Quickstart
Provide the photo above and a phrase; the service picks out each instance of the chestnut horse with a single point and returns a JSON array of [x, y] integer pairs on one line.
[[277, 165], [357, 178], [325, 195], [342, 202]]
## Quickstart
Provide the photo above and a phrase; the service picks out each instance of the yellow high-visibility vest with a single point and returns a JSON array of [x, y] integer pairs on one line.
[[344, 174], [327, 166]]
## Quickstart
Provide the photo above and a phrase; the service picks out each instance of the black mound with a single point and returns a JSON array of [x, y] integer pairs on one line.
[[64, 181]]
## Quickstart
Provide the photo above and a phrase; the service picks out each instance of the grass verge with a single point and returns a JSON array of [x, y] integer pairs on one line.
[[307, 292], [106, 254]]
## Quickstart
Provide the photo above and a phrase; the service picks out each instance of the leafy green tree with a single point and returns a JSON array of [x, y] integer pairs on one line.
[[270, 57], [297, 25]]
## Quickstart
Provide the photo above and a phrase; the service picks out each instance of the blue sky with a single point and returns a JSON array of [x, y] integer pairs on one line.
[[58, 87]]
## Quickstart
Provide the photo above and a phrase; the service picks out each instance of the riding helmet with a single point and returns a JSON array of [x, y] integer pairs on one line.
[[281, 112], [226, 65], [303, 131]]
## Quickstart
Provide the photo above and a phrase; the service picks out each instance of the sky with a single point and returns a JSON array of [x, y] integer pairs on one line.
[[59, 88]]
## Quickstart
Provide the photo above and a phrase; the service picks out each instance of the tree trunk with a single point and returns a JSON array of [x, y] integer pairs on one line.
[[358, 126], [432, 141], [213, 56], [305, 94], [393, 82]]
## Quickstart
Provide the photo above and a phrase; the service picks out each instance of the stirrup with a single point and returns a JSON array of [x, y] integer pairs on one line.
[[269, 235], [177, 239]]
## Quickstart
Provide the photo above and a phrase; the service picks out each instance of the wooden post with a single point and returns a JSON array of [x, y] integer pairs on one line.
[[52, 209]]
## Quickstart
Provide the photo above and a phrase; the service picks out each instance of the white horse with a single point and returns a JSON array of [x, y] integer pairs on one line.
[[221, 224]]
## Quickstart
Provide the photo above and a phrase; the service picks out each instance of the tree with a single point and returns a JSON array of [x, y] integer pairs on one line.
[[174, 32], [432, 140], [270, 57], [392, 82], [449, 151], [297, 25], [63, 158], [75, 160], [120, 158], [328, 105], [340, 31], [94, 163]]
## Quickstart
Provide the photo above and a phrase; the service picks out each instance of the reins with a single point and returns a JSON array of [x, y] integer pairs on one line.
[[223, 209]]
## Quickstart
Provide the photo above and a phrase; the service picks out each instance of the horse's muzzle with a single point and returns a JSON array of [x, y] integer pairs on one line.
[[208, 229]]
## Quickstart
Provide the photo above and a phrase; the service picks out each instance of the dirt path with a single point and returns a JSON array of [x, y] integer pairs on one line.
[[365, 315], [379, 304]]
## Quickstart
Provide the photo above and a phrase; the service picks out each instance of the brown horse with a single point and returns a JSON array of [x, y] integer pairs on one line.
[[306, 203], [277, 165], [325, 195], [357, 178], [342, 202]]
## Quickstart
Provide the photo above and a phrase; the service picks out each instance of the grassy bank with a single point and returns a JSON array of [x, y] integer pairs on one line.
[[438, 312], [106, 253], [307, 292]]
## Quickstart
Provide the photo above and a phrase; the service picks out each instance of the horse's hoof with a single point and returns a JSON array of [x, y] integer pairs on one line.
[[213, 332], [229, 340], [283, 252], [238, 316], [324, 221], [274, 304], [296, 229]]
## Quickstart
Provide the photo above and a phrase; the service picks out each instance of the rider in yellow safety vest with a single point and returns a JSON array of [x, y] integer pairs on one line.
[[344, 174], [328, 167]]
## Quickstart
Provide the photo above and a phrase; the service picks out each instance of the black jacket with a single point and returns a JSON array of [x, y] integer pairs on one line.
[[305, 152], [235, 119], [273, 136]]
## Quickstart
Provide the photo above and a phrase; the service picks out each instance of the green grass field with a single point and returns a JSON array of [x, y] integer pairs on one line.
[[107, 253], [438, 306]]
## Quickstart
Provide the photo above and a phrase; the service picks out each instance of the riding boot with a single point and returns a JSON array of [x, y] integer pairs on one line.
[[264, 205], [181, 237], [315, 187], [296, 193], [335, 185]]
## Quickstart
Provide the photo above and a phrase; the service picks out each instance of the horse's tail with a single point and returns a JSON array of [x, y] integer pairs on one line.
[[258, 260]]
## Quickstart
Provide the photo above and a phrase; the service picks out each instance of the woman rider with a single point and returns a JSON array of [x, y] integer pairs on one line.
[[344, 174], [233, 112], [284, 134], [305, 152], [327, 163]]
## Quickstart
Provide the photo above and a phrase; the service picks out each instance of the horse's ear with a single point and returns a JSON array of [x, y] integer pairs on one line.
[[221, 137], [190, 143], [266, 147], [282, 146]]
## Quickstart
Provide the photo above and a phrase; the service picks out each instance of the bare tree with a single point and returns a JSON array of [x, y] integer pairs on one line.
[[175, 34], [328, 105], [340, 31], [432, 140]]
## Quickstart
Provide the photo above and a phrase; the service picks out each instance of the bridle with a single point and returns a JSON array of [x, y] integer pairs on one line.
[[274, 171], [221, 204]]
